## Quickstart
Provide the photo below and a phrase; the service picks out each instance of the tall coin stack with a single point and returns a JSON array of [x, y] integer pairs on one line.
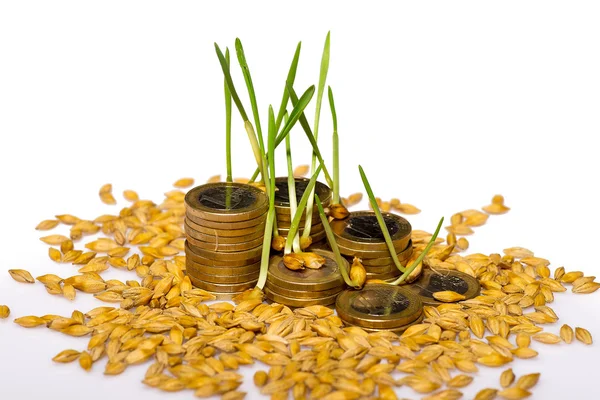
[[359, 235], [282, 207], [306, 287], [224, 226]]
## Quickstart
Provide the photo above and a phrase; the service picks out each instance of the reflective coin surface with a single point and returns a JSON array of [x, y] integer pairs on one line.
[[223, 288], [361, 231], [303, 294], [195, 269], [190, 232], [227, 225], [282, 194], [292, 302], [368, 254], [190, 253], [226, 202], [441, 280], [225, 247]]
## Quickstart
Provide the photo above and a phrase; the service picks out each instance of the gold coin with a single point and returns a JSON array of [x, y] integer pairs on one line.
[[386, 261], [365, 254], [379, 306], [252, 231], [190, 232], [224, 279], [284, 216], [326, 277], [194, 268], [395, 330], [287, 224], [227, 225], [316, 237], [223, 288], [292, 302], [191, 255], [303, 294], [381, 270], [224, 247], [282, 194], [385, 276], [361, 231], [235, 256], [226, 202], [318, 228], [441, 280]]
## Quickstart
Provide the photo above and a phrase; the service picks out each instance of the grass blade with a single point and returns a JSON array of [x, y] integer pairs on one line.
[[292, 192], [228, 123], [336, 151], [229, 81], [291, 77], [382, 225]]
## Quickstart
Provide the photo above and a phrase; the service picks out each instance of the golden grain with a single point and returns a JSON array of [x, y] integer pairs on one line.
[[583, 335], [507, 378], [20, 275], [514, 393]]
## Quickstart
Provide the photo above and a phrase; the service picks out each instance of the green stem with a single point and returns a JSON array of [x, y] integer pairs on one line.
[[301, 206], [382, 225], [336, 151], [415, 263], [292, 193], [291, 77], [333, 244], [228, 123]]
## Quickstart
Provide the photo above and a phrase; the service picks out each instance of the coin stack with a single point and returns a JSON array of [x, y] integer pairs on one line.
[[359, 235], [441, 280], [305, 287], [380, 307], [282, 207], [224, 226]]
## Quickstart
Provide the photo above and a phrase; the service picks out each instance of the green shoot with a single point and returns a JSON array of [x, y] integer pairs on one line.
[[333, 244], [382, 225], [414, 265], [290, 78], [336, 151], [292, 189], [298, 215], [228, 123], [266, 249]]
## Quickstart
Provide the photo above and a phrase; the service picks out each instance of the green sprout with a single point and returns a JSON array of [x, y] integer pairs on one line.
[[292, 190], [336, 151], [228, 123]]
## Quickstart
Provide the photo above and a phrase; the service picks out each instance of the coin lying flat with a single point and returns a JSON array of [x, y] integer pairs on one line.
[[379, 306], [191, 255], [317, 228], [235, 256], [367, 254], [223, 288], [441, 280], [194, 268], [224, 247], [282, 194], [190, 232], [226, 202], [287, 224], [292, 302], [225, 279], [396, 330], [380, 270], [252, 231], [385, 276], [303, 294], [361, 231], [227, 225], [326, 277]]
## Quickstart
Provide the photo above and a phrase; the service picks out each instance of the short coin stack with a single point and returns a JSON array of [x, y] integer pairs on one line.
[[282, 207], [380, 307], [359, 235], [441, 280], [224, 226], [305, 287]]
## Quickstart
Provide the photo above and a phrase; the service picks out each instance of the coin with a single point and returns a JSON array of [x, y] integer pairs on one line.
[[194, 268], [225, 248], [282, 194], [287, 224], [395, 330], [292, 302], [380, 270], [440, 280], [361, 231], [379, 306], [245, 232], [190, 254], [235, 256], [221, 239], [226, 202], [326, 277], [385, 276], [303, 294], [314, 229], [223, 288], [366, 254], [223, 279], [227, 225]]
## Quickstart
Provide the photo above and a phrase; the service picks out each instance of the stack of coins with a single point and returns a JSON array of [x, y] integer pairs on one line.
[[282, 207], [379, 307], [224, 226], [305, 287], [360, 236], [441, 280]]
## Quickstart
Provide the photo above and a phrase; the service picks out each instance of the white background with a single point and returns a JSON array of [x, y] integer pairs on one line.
[[444, 103]]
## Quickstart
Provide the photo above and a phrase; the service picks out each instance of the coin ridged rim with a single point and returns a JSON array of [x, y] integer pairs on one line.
[[363, 254], [399, 330], [252, 231], [232, 256], [316, 228], [353, 316], [225, 247], [417, 286], [223, 288], [316, 237], [291, 302], [288, 224], [384, 276], [227, 225], [384, 261], [381, 270], [322, 190], [193, 206], [189, 253], [399, 239], [305, 283], [225, 279], [303, 294], [190, 232], [246, 269]]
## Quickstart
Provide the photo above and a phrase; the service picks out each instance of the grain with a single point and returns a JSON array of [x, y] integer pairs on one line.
[[66, 356], [507, 378], [528, 381], [20, 275], [183, 182], [566, 333], [301, 171], [448, 296], [47, 225], [583, 335], [4, 312], [486, 394], [514, 393], [547, 338]]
